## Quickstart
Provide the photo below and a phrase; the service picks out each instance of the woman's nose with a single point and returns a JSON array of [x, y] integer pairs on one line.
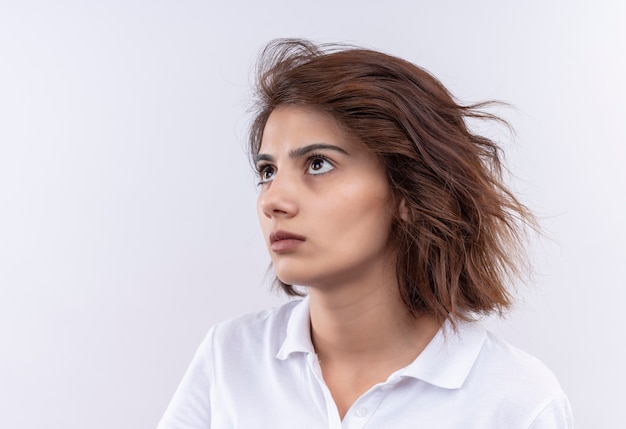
[[279, 197]]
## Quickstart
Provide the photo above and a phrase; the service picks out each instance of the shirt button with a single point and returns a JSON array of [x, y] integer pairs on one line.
[[360, 412]]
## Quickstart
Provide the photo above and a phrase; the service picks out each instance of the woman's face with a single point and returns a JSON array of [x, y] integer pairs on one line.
[[324, 204]]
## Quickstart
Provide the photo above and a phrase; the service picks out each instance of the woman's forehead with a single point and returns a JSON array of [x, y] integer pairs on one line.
[[291, 126]]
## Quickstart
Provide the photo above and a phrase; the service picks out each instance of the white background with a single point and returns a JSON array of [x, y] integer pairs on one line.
[[127, 220]]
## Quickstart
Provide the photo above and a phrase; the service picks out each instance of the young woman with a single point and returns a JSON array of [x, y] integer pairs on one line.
[[384, 211]]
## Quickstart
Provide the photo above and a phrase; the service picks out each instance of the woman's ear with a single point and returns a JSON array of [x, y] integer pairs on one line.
[[403, 210]]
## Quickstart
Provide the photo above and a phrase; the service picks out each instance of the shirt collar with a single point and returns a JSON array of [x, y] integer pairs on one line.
[[445, 362], [449, 357], [298, 335]]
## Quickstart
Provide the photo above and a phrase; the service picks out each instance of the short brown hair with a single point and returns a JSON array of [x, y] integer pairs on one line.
[[461, 231]]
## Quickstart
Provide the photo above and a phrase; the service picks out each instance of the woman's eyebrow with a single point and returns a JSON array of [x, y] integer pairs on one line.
[[262, 157], [301, 151]]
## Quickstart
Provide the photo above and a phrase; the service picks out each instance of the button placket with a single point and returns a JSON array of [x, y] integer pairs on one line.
[[334, 422], [358, 416], [361, 411]]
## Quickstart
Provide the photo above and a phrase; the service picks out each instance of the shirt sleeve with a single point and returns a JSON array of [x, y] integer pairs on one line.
[[557, 414], [190, 408]]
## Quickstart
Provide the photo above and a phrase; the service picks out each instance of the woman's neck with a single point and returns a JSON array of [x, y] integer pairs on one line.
[[362, 333], [367, 323]]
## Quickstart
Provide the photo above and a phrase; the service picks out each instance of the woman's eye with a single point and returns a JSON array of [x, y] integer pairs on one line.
[[266, 173], [319, 166]]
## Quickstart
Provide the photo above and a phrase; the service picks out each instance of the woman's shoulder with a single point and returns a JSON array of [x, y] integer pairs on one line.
[[519, 384], [265, 328], [469, 356], [514, 367], [515, 388], [270, 318]]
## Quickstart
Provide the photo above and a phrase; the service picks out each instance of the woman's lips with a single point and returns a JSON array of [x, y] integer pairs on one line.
[[283, 241]]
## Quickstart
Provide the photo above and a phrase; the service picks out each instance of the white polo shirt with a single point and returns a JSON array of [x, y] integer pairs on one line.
[[261, 371]]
